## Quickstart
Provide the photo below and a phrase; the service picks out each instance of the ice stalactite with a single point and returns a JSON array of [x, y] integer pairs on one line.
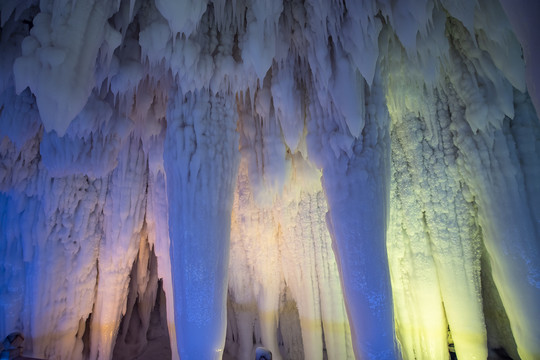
[[72, 242], [281, 255], [520, 14], [200, 159], [386, 201], [280, 244], [72, 286], [434, 240], [454, 137], [311, 273], [158, 229], [123, 213], [62, 222], [500, 180], [51, 59], [18, 174]]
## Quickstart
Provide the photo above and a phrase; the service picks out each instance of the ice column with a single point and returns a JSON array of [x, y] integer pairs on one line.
[[434, 240], [464, 160], [501, 158], [510, 229], [200, 159], [355, 183]]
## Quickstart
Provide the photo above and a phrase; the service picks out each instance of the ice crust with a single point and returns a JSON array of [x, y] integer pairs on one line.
[[327, 179]]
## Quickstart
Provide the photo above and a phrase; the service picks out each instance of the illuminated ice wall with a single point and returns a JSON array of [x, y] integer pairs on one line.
[[327, 179]]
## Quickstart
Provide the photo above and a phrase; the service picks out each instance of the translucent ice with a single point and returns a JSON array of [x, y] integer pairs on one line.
[[327, 179]]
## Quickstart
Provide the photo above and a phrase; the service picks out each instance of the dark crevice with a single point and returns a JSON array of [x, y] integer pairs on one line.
[[86, 337]]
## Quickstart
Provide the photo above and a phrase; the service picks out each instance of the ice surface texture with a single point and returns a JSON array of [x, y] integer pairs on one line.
[[327, 179]]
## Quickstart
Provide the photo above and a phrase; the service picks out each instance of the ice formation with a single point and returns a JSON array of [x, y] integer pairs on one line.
[[324, 179]]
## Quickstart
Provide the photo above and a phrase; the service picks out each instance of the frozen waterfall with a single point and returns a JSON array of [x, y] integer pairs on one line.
[[190, 179]]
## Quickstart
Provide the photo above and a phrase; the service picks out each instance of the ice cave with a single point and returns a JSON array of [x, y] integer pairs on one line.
[[320, 179]]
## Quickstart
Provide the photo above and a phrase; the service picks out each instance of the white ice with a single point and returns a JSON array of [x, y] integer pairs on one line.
[[327, 179]]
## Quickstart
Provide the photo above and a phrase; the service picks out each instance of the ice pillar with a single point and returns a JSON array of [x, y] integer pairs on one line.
[[357, 223], [499, 147], [200, 159], [433, 240], [505, 200], [356, 187]]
